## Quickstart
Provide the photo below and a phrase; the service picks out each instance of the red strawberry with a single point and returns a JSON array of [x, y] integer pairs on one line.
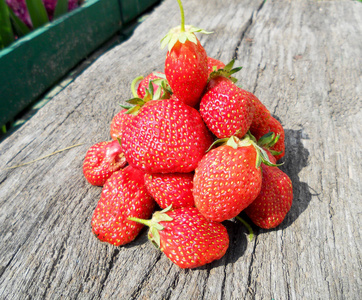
[[269, 209], [277, 147], [101, 160], [123, 195], [214, 64], [119, 122], [166, 136], [226, 109], [186, 62], [228, 179], [144, 84], [261, 117], [171, 189], [186, 237]]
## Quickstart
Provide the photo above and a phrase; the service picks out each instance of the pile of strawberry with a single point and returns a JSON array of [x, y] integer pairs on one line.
[[196, 144]]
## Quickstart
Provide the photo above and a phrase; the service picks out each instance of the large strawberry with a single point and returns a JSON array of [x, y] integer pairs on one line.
[[228, 178], [186, 237], [123, 195], [269, 209], [226, 109], [166, 136], [171, 189], [186, 62], [102, 160]]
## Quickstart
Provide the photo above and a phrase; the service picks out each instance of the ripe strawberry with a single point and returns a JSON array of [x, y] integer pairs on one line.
[[214, 65], [123, 195], [186, 62], [269, 209], [144, 84], [166, 136], [171, 189], [261, 116], [228, 179], [101, 160], [277, 147], [119, 122], [186, 237], [226, 109]]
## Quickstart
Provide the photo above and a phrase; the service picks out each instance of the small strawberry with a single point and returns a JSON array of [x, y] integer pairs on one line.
[[277, 146], [101, 160], [269, 209], [226, 109], [228, 178], [166, 136], [186, 237], [186, 62], [171, 189], [123, 195], [214, 65], [145, 82], [119, 122]]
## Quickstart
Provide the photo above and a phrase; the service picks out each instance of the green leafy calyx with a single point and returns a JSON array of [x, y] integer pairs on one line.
[[153, 224], [227, 71], [177, 35]]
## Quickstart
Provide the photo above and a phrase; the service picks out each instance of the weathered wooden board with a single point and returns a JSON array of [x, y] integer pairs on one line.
[[303, 60]]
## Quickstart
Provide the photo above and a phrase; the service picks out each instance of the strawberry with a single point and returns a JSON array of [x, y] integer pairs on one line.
[[214, 65], [101, 160], [166, 136], [123, 195], [171, 189], [144, 84], [186, 62], [277, 145], [261, 116], [119, 122], [186, 237], [226, 109], [269, 209], [228, 178]]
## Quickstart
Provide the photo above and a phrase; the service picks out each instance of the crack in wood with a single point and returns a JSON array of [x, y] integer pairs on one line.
[[247, 28]]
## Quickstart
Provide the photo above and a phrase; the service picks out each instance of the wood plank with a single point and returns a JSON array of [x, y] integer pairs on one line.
[[302, 59]]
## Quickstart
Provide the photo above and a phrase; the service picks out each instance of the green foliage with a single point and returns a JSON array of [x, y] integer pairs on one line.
[[61, 8], [6, 32], [11, 27], [37, 12]]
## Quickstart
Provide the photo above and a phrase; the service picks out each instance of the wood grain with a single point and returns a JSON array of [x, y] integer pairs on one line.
[[303, 60]]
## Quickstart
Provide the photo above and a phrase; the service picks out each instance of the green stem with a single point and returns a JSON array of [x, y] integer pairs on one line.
[[182, 16], [141, 221], [133, 86], [251, 233]]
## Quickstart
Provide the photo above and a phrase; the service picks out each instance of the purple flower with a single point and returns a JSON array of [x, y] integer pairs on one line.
[[20, 10]]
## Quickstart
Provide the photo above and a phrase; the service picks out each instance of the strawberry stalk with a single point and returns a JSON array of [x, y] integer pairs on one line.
[[182, 16], [153, 224], [248, 227]]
